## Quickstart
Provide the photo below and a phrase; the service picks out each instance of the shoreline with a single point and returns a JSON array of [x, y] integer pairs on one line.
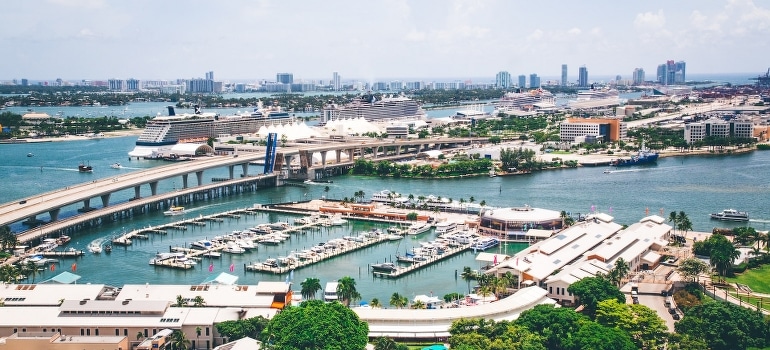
[[107, 134]]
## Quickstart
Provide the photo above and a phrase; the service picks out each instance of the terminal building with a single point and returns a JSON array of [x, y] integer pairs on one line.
[[602, 130], [520, 224]]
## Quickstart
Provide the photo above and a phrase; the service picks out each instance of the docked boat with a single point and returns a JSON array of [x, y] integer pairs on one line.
[[63, 239], [174, 211], [445, 227], [83, 168], [270, 241], [417, 228], [385, 267], [161, 257], [271, 263], [233, 248], [368, 107], [485, 243], [202, 244], [410, 257], [246, 244], [212, 255], [394, 237], [731, 215], [116, 166]]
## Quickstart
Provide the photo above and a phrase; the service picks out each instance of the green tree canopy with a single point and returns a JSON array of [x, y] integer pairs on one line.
[[591, 290], [647, 330], [316, 325], [558, 326], [237, 329], [725, 326]]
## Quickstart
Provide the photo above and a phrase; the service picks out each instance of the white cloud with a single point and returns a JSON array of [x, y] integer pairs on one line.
[[649, 20], [574, 31], [415, 35], [535, 35]]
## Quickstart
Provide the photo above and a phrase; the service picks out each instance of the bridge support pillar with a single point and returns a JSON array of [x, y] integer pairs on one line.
[[352, 151], [339, 155], [154, 187], [105, 200], [86, 205], [137, 191], [374, 151], [184, 180], [287, 158], [245, 169], [398, 150], [199, 175], [231, 169], [54, 213], [323, 160]]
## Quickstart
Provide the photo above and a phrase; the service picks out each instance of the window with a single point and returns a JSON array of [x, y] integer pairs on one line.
[[125, 331], [207, 334], [117, 332], [96, 331], [82, 332], [88, 331]]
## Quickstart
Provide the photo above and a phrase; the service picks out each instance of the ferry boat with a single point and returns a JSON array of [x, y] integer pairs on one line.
[[731, 215], [417, 228], [485, 243], [174, 211], [166, 131], [445, 227], [370, 108]]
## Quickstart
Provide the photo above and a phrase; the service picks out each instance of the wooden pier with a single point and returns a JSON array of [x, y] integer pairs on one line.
[[403, 270], [62, 253]]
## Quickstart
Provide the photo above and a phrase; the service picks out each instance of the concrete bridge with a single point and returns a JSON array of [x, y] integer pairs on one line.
[[28, 209]]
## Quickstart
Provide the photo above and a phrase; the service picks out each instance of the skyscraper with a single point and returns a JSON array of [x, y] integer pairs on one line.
[[563, 75], [336, 86], [284, 78], [638, 76], [210, 75], [671, 73], [503, 80], [534, 81], [583, 76], [522, 81]]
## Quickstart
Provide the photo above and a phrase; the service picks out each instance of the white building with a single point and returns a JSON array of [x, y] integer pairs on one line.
[[697, 131]]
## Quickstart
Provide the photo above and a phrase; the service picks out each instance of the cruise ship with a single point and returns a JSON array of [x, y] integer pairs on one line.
[[197, 127], [518, 102], [370, 108], [595, 98]]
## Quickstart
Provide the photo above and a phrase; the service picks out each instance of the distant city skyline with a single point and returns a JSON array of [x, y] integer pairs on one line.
[[376, 40]]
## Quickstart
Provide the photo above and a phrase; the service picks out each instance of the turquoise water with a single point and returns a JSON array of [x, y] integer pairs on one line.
[[696, 185]]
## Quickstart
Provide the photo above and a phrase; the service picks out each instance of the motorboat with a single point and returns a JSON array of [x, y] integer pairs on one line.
[[161, 257], [30, 155], [83, 168], [271, 263], [278, 225], [174, 211], [108, 248], [63, 239], [212, 255], [233, 248], [731, 215], [385, 267], [246, 244], [394, 237], [417, 228], [202, 244], [95, 248], [116, 166], [445, 227], [270, 241], [485, 243]]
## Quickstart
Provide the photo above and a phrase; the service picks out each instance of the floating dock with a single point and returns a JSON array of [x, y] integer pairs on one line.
[[403, 270]]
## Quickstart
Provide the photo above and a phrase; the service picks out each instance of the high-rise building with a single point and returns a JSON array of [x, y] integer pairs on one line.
[[534, 81], [24, 82], [638, 76], [336, 85], [503, 80], [563, 75], [671, 73], [522, 81], [284, 78], [662, 74], [210, 75], [679, 75], [116, 84], [583, 76]]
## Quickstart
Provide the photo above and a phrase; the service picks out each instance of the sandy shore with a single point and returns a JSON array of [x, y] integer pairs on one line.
[[109, 134]]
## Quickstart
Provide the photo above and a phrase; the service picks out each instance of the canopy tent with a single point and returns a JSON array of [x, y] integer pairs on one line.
[[65, 277], [223, 278]]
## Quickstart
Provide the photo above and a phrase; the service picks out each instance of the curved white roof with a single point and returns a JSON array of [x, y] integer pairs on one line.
[[522, 214]]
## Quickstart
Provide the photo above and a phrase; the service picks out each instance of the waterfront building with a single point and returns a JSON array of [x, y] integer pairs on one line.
[[284, 78], [210, 75], [563, 75], [604, 129], [534, 81], [415, 85], [396, 86], [503, 80], [717, 127], [513, 223], [132, 84], [200, 85], [586, 249], [522, 81], [583, 76], [638, 76], [24, 82], [116, 84]]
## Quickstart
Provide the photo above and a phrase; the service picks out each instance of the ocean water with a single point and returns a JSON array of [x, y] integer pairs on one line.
[[696, 185]]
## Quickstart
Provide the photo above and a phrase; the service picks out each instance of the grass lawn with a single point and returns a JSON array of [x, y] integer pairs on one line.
[[757, 279], [561, 152]]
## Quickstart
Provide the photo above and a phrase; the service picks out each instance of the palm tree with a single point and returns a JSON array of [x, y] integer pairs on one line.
[[139, 335], [385, 343], [468, 275], [684, 223], [180, 301], [31, 270], [673, 218], [198, 301], [346, 290], [179, 340], [310, 286], [375, 304], [618, 272], [397, 300], [418, 304]]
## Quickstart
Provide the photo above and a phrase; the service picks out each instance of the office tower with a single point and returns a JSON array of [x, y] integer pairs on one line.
[[210, 75], [638, 76], [671, 73], [24, 82], [522, 81], [132, 84], [662, 74], [284, 78], [679, 74], [534, 81], [583, 76], [563, 75], [336, 85], [503, 80]]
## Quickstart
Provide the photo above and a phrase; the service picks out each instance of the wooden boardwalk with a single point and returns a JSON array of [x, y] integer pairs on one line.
[[403, 270]]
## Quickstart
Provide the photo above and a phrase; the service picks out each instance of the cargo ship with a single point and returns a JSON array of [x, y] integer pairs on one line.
[[643, 157]]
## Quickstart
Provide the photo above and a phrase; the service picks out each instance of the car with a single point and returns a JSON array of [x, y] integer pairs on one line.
[[675, 316], [23, 202], [635, 300], [672, 311]]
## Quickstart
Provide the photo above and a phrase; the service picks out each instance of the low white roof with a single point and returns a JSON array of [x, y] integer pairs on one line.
[[524, 214], [46, 294], [490, 257], [651, 257], [536, 232]]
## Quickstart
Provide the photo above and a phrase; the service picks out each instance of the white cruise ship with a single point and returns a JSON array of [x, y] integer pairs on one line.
[[198, 127], [370, 108], [595, 98], [516, 102]]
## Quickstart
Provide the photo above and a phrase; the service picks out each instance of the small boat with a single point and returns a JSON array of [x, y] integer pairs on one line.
[[270, 241], [30, 155], [83, 168], [108, 248], [212, 255], [394, 237], [608, 171], [233, 248], [174, 211], [271, 263], [202, 244], [63, 239], [385, 267], [95, 248], [116, 166], [731, 215]]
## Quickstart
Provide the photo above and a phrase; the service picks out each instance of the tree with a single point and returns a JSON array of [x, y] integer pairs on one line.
[[375, 303], [310, 286], [647, 330], [597, 337], [725, 326], [468, 275], [691, 268], [398, 301], [315, 325], [557, 325], [180, 301], [618, 272], [672, 218], [346, 290], [723, 253], [179, 340], [198, 301], [591, 290], [237, 329], [385, 343]]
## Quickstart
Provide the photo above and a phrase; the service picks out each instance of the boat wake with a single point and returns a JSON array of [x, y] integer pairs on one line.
[[759, 220]]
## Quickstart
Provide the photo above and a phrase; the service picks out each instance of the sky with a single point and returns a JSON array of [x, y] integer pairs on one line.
[[377, 39]]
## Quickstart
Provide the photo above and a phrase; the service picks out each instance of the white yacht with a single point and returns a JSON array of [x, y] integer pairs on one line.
[[330, 292], [233, 248], [731, 215], [446, 227], [417, 228]]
